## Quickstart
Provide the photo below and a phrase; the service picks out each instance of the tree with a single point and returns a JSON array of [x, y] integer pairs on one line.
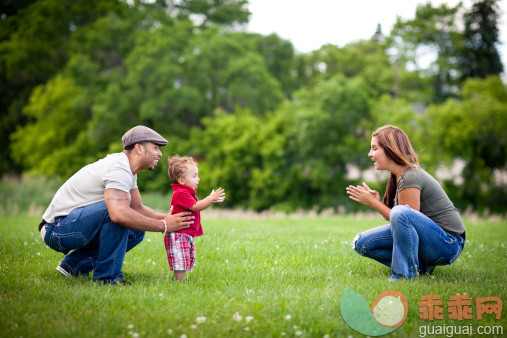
[[228, 72], [228, 148], [323, 138], [433, 29], [33, 48], [479, 56], [43, 146], [366, 59], [474, 130], [209, 12], [280, 59]]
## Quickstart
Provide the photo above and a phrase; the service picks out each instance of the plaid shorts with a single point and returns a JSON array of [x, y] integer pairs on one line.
[[180, 251]]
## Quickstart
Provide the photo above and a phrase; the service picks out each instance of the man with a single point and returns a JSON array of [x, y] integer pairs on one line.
[[98, 212]]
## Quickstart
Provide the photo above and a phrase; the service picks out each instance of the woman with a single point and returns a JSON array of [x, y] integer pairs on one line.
[[425, 228]]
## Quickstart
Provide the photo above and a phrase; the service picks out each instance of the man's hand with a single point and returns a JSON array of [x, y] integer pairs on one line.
[[178, 221], [217, 195]]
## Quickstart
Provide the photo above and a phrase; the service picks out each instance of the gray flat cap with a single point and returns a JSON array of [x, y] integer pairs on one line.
[[140, 134]]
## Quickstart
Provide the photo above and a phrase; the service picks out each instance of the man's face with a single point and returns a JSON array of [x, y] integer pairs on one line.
[[151, 155]]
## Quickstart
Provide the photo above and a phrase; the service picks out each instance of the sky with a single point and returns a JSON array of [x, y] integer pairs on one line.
[[312, 24]]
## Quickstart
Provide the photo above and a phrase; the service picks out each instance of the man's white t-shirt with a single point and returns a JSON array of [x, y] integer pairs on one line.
[[87, 186]]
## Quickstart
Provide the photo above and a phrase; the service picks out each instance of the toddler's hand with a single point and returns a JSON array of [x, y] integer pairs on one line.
[[217, 195]]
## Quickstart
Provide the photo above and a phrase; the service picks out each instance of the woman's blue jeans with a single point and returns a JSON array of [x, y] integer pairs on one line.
[[410, 243], [91, 241]]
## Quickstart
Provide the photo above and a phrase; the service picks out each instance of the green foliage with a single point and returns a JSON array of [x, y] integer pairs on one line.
[[229, 148], [436, 29], [280, 60], [366, 59], [479, 56], [282, 159], [33, 48], [325, 134], [51, 105], [275, 128], [474, 129], [222, 12]]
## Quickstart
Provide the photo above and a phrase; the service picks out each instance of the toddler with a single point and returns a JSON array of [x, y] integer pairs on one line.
[[179, 245]]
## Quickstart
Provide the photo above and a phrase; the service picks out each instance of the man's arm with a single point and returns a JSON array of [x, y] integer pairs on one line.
[[119, 209], [137, 204]]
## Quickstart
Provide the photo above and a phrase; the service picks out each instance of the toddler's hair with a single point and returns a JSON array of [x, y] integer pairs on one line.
[[178, 166]]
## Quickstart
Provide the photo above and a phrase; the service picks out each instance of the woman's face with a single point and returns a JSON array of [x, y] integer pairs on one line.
[[378, 155]]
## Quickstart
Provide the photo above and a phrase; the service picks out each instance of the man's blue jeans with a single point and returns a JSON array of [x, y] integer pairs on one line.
[[91, 241], [410, 243]]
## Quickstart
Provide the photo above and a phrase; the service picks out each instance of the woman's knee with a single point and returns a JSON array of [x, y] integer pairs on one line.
[[398, 213], [358, 244]]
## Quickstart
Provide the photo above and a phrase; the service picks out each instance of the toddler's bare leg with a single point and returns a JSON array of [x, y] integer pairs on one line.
[[179, 275]]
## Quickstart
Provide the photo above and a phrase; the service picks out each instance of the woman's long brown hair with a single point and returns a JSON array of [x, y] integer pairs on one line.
[[397, 147]]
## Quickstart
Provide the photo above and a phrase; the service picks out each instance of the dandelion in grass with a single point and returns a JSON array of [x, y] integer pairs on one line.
[[130, 326], [299, 333], [153, 263], [183, 336], [200, 320], [288, 317], [236, 317], [193, 326], [169, 331], [326, 336], [247, 328], [135, 335], [502, 245], [26, 243], [283, 334], [248, 319]]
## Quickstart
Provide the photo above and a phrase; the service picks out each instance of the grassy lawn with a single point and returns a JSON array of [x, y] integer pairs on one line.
[[265, 268]]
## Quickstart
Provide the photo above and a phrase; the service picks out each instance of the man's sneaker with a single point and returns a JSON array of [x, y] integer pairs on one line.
[[65, 270], [122, 282]]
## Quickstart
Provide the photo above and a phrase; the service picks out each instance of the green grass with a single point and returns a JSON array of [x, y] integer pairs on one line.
[[266, 268]]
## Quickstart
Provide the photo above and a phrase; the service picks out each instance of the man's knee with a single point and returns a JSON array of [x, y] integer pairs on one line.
[[136, 236]]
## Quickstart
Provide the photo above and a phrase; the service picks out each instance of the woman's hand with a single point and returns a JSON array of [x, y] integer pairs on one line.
[[363, 194]]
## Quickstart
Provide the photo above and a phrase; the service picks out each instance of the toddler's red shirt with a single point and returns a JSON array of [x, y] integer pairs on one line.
[[183, 198]]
